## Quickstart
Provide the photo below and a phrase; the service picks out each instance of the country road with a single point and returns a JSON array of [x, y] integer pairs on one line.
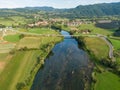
[[108, 43]]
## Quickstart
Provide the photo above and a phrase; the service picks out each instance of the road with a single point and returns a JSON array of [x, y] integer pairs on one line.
[[108, 43]]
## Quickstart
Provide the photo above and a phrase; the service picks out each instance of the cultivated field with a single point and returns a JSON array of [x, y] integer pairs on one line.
[[97, 46], [6, 47], [21, 66], [12, 38]]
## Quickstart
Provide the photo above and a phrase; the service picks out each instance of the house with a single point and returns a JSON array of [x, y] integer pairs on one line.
[[74, 23], [87, 31]]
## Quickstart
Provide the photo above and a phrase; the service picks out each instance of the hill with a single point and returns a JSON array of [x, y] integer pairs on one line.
[[95, 10]]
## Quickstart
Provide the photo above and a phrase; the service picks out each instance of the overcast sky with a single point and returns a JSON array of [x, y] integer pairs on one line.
[[53, 3]]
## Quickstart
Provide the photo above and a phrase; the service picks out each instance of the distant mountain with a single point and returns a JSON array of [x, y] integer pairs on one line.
[[45, 8], [95, 10]]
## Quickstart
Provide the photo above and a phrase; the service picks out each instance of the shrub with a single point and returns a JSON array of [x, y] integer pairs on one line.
[[20, 85]]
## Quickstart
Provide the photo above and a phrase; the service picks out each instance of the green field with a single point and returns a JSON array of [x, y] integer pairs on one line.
[[12, 38], [14, 71], [97, 46], [4, 59], [14, 20], [116, 43], [42, 31], [107, 81], [96, 30], [35, 42]]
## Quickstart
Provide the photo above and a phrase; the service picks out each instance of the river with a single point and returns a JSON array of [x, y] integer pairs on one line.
[[66, 68]]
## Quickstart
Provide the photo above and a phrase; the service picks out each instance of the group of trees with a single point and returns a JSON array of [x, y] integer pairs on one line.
[[117, 32], [2, 26]]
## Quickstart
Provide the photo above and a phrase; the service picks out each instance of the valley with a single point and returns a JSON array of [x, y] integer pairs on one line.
[[44, 48]]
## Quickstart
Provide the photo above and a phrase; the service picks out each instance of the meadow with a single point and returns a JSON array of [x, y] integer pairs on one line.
[[107, 81], [116, 45], [96, 30], [97, 46], [14, 20], [12, 38], [42, 31]]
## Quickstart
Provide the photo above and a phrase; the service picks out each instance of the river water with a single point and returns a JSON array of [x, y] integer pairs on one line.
[[66, 68]]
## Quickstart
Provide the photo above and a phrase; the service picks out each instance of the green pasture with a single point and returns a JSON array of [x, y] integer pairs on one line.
[[107, 81], [97, 46], [12, 38], [42, 31]]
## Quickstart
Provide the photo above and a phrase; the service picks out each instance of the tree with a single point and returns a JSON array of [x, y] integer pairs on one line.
[[20, 85], [21, 36]]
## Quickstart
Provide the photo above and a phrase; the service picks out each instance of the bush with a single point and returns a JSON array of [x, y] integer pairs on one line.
[[21, 36], [12, 52], [20, 85]]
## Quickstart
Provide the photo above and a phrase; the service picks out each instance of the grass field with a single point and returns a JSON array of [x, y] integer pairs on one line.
[[42, 31], [107, 81], [13, 20], [29, 42], [11, 74], [97, 46], [116, 43], [5, 48], [12, 38], [96, 30], [4, 59], [35, 42]]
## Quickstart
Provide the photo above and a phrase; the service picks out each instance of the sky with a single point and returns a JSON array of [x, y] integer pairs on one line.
[[52, 3]]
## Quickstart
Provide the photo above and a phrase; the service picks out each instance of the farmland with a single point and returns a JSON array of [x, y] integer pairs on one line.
[[96, 30], [94, 44], [20, 62], [12, 38], [14, 20], [106, 80]]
